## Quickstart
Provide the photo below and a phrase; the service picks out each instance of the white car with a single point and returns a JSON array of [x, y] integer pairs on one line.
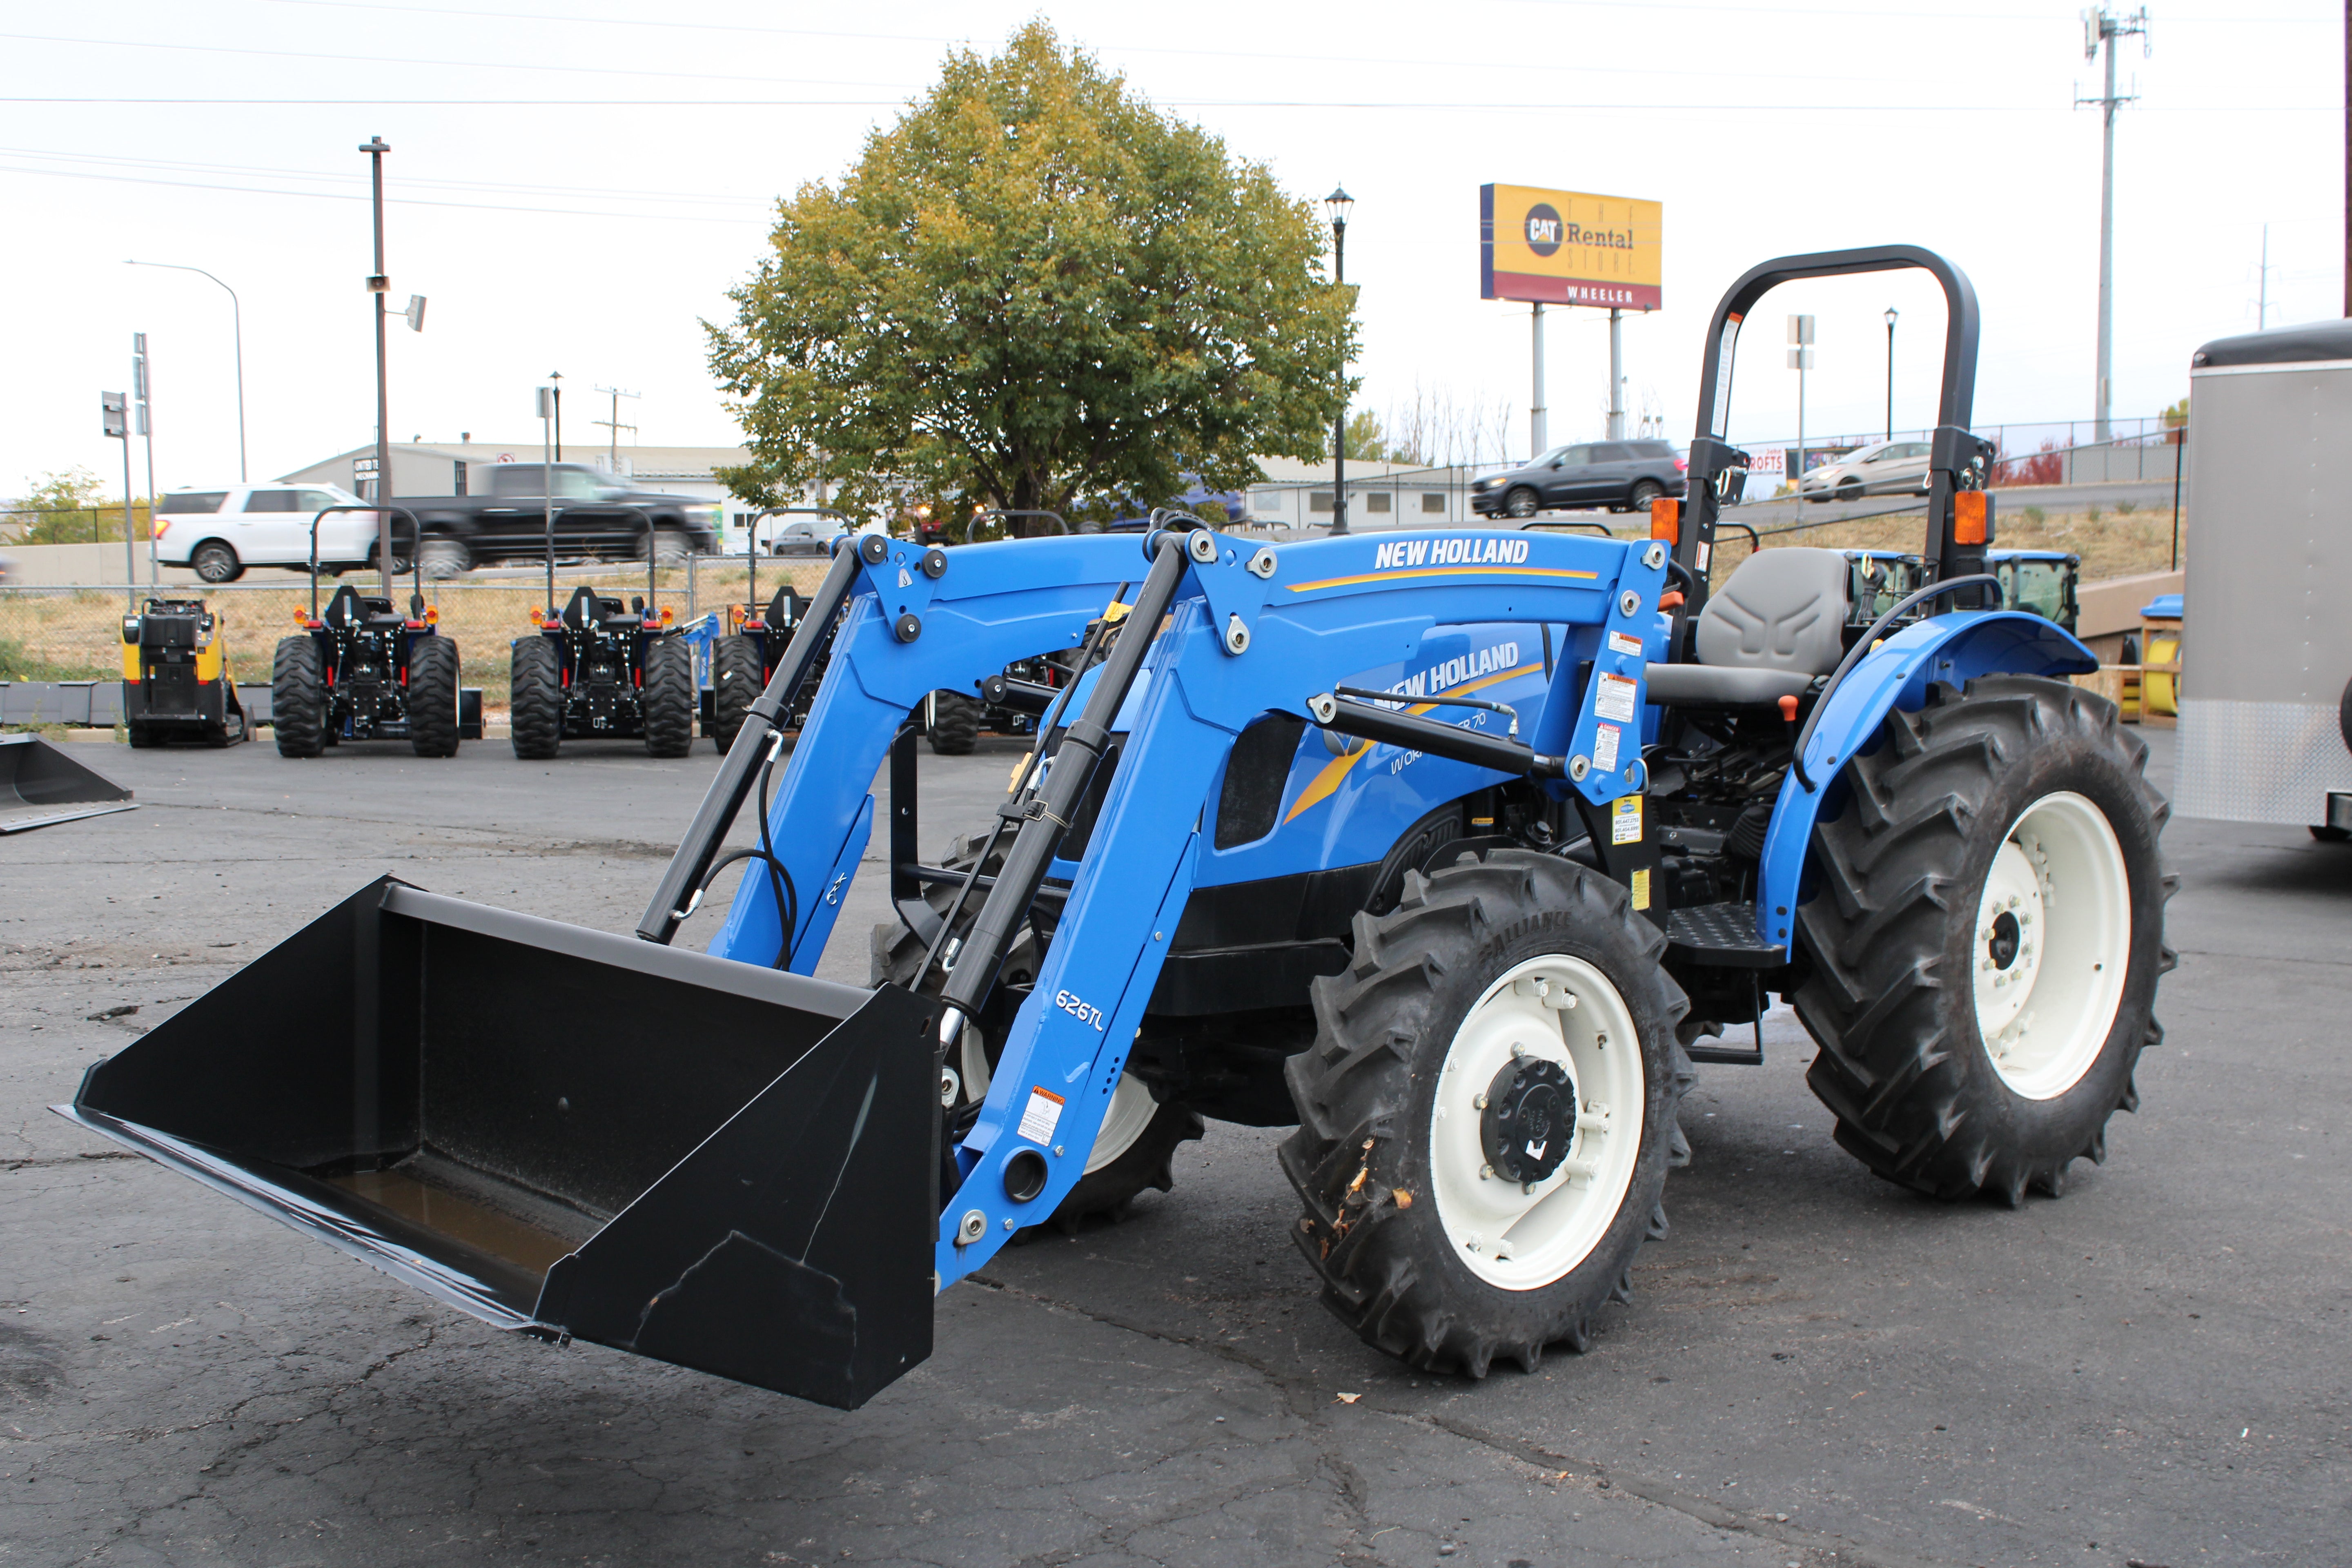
[[217, 533], [1884, 467]]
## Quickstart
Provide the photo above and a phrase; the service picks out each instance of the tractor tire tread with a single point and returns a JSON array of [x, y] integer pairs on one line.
[[1355, 1087], [432, 681], [955, 724], [736, 680], [536, 700], [668, 702], [298, 697], [1895, 1062]]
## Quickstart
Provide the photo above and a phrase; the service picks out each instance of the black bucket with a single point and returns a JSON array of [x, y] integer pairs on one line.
[[567, 1133], [39, 784]]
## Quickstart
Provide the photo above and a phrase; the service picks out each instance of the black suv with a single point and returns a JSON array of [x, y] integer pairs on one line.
[[1624, 476]]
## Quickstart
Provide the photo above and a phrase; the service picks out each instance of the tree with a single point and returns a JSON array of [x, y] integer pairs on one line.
[[1034, 290], [1367, 442], [64, 509]]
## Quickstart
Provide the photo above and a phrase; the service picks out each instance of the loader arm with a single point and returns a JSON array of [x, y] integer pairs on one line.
[[906, 634], [1321, 611]]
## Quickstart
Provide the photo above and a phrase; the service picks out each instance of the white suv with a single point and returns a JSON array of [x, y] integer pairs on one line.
[[1882, 467], [218, 533]]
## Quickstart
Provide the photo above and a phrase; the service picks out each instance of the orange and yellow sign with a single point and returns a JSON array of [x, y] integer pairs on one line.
[[1568, 247]]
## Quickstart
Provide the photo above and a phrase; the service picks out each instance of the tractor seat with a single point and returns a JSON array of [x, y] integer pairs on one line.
[[348, 608], [786, 609], [588, 606], [1769, 633]]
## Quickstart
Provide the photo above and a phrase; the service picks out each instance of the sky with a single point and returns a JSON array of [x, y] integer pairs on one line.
[[575, 184]]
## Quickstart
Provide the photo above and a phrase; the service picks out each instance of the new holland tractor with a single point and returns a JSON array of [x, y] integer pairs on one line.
[[1450, 850]]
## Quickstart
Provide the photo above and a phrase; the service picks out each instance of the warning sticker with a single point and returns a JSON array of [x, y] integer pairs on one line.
[[1041, 1116], [1612, 698], [1604, 748], [1625, 824], [1630, 646], [1641, 888]]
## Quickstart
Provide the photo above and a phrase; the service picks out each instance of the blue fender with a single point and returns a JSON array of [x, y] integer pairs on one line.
[[1954, 649]]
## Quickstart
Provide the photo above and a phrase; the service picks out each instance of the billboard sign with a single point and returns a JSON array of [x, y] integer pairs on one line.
[[1567, 247]]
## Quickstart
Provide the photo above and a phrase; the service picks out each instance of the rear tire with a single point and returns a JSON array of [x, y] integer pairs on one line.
[[440, 557], [535, 703], [432, 696], [670, 547], [298, 697], [667, 698], [216, 562], [1520, 503], [1972, 1043], [1643, 494], [1428, 1245], [142, 737], [955, 724], [735, 678]]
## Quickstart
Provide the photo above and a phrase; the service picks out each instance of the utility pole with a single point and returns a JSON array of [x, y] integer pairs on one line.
[[1616, 375], [114, 410], [1538, 435], [139, 374], [1800, 359], [614, 424], [2101, 25], [378, 285]]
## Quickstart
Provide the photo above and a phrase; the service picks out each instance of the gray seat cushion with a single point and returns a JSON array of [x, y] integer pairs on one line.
[[1721, 685], [1783, 609]]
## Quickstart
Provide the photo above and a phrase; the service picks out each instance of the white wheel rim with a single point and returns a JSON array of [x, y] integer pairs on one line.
[[2051, 945], [1131, 1105], [1563, 1010]]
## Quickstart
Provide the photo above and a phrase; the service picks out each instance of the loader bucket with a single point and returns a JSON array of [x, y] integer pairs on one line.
[[567, 1133], [40, 785]]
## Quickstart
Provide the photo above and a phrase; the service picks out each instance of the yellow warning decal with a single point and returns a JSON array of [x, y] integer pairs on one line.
[[1625, 820]]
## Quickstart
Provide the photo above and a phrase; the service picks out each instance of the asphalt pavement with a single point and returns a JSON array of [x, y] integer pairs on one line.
[[1816, 1368]]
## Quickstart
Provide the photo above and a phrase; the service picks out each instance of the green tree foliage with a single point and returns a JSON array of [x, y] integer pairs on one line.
[[1034, 290], [70, 508], [1368, 441]]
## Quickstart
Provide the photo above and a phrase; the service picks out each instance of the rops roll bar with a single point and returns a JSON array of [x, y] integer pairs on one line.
[[751, 542], [416, 552]]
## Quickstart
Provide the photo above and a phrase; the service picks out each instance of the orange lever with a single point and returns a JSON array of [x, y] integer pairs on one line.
[[1672, 599], [1789, 709]]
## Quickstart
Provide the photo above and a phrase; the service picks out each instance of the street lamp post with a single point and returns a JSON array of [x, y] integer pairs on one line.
[[1341, 203], [1891, 314], [236, 323], [556, 377], [378, 285]]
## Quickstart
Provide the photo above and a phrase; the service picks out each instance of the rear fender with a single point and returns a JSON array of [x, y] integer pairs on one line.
[[1951, 648]]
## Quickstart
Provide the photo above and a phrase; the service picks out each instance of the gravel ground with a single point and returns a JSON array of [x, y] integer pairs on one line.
[[1816, 1369]]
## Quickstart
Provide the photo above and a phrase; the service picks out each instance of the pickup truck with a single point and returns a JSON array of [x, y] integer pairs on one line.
[[593, 519]]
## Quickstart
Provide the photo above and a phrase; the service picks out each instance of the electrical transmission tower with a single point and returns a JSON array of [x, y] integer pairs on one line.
[[2101, 25], [614, 426]]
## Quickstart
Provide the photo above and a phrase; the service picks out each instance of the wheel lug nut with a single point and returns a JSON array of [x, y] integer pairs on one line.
[[1478, 1102]]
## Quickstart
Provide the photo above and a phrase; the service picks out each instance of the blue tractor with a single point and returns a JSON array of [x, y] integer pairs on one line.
[[1452, 850]]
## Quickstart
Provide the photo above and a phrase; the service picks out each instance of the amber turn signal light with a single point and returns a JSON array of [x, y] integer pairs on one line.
[[1969, 510], [1667, 520]]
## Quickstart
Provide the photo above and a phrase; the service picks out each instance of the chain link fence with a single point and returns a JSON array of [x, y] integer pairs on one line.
[[75, 632]]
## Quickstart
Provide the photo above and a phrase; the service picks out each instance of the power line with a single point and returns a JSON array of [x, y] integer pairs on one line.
[[354, 197], [1384, 106]]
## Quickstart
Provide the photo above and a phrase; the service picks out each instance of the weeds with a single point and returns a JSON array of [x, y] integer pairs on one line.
[[2094, 514], [2125, 507], [2034, 516]]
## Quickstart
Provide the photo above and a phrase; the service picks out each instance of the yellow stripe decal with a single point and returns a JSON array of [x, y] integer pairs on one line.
[[1325, 784], [1447, 572]]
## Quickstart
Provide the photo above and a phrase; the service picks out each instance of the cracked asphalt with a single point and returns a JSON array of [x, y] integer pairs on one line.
[[1817, 1368]]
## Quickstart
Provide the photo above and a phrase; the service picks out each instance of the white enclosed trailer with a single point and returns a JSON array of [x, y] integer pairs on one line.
[[2265, 697]]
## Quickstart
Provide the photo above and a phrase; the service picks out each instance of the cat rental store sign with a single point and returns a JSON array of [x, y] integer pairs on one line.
[[1567, 248]]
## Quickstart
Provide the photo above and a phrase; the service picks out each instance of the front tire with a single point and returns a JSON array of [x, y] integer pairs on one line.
[[735, 678], [433, 697], [1446, 1232], [1987, 938], [667, 701], [298, 697], [1643, 494], [535, 701], [670, 549], [1520, 503]]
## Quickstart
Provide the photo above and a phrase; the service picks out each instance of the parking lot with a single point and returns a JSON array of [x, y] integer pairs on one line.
[[1817, 1368]]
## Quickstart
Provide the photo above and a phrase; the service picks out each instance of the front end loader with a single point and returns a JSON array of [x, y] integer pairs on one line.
[[1452, 850]]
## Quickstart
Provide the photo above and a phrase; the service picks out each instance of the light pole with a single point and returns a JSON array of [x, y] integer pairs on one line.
[[236, 325], [1341, 203], [378, 286], [1891, 314], [556, 376], [1800, 359]]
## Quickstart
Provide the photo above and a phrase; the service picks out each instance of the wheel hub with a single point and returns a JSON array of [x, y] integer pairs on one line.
[[2046, 990], [1530, 1119]]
